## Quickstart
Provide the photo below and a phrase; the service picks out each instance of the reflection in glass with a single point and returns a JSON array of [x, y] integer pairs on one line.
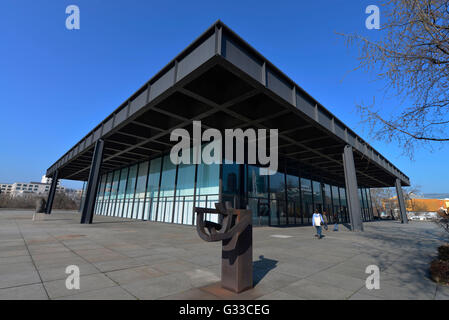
[[278, 214], [294, 204], [100, 193], [121, 192], [208, 188], [258, 196], [129, 195], [317, 196], [327, 207], [166, 194], [153, 189], [140, 190], [184, 194], [113, 196], [307, 199], [231, 183]]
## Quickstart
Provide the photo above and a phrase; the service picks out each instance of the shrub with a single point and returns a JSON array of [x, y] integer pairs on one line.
[[28, 201], [443, 252], [439, 271]]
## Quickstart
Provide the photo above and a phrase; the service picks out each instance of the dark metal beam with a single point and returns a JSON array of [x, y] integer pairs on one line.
[[52, 192], [352, 196], [401, 201], [92, 183]]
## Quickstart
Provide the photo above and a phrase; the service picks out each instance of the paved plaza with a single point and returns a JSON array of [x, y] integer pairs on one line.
[[128, 259]]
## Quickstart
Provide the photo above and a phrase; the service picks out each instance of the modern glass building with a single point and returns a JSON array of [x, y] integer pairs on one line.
[[157, 190], [223, 82]]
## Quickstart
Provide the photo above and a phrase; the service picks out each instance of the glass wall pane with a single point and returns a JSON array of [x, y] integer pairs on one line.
[[99, 201], [336, 204], [278, 212], [257, 186], [153, 189], [113, 196], [140, 190], [317, 196], [307, 199], [129, 195], [343, 197], [231, 183], [208, 188], [167, 190], [107, 193], [370, 205], [185, 187], [327, 206], [103, 194], [294, 210], [121, 193], [367, 205], [362, 203], [103, 198], [344, 205]]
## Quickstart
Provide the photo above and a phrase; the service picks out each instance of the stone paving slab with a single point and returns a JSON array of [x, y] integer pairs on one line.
[[27, 292], [308, 289], [110, 293], [130, 259]]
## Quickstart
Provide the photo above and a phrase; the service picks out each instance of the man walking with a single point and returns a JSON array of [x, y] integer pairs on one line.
[[317, 221], [336, 222]]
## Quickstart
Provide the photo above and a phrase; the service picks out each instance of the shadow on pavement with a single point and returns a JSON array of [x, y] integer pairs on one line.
[[261, 268]]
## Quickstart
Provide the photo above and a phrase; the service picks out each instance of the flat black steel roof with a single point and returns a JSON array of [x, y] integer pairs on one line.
[[224, 82]]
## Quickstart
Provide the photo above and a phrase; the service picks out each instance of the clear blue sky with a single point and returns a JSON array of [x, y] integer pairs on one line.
[[57, 84]]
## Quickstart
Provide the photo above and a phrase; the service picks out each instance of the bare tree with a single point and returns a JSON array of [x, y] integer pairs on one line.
[[28, 201], [411, 192], [385, 199], [413, 60]]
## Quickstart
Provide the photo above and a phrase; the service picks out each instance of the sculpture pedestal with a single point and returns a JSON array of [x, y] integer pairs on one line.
[[38, 216], [237, 256], [235, 230]]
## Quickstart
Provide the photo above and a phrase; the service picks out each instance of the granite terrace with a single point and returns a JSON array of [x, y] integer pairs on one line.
[[129, 259]]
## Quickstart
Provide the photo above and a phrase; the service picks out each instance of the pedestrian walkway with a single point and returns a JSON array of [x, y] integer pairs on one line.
[[129, 259]]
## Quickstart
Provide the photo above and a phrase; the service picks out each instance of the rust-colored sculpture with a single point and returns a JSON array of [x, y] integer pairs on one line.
[[236, 233]]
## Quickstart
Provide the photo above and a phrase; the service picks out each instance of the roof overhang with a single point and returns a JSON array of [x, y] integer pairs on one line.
[[222, 81]]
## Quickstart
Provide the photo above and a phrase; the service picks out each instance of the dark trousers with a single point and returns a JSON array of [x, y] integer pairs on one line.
[[318, 231]]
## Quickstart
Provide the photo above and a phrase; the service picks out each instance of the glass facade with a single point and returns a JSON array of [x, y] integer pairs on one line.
[[257, 194], [158, 190], [293, 189], [307, 200]]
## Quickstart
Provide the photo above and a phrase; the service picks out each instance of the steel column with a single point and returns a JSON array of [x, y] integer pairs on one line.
[[92, 183], [52, 192], [80, 209], [401, 202], [352, 197]]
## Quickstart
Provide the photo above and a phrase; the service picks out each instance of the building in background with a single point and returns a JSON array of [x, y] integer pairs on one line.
[[421, 205], [21, 188]]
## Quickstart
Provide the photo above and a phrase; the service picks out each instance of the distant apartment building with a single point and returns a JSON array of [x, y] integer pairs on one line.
[[20, 188]]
